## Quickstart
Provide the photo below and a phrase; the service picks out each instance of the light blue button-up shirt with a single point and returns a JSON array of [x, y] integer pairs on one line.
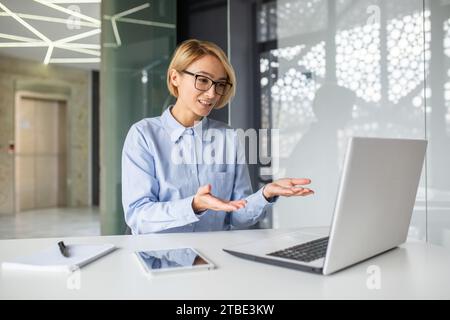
[[163, 165]]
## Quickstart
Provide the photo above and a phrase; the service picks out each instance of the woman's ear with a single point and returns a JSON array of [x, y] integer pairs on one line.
[[174, 77]]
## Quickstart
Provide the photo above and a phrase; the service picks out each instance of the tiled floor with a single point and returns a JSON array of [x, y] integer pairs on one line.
[[53, 222]]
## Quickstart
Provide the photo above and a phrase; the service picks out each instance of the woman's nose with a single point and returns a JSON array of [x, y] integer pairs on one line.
[[211, 92]]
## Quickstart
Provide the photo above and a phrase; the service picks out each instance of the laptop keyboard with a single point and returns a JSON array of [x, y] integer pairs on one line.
[[305, 252]]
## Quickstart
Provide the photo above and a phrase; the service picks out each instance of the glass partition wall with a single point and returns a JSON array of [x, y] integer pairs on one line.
[[138, 38], [332, 69]]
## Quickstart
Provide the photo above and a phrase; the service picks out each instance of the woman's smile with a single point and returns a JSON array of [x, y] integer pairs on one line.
[[205, 103]]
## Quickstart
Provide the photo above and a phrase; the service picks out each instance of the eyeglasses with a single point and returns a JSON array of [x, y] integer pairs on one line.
[[203, 83]]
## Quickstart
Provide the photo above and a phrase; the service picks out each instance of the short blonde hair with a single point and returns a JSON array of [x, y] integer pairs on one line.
[[192, 50]]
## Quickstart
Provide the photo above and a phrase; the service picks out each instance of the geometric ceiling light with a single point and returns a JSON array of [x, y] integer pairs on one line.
[[49, 19], [68, 11], [123, 14], [66, 43], [72, 1], [120, 17]]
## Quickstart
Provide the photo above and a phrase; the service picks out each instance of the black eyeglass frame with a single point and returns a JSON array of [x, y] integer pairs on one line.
[[213, 83]]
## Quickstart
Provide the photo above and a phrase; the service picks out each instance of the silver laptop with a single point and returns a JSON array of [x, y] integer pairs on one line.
[[373, 210]]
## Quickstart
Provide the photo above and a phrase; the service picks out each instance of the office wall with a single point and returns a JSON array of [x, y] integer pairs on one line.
[[334, 69], [18, 74], [437, 115], [204, 20]]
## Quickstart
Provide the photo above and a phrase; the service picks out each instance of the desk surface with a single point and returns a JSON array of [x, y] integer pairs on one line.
[[414, 270]]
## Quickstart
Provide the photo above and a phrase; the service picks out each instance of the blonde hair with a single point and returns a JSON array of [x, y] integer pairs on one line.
[[192, 50]]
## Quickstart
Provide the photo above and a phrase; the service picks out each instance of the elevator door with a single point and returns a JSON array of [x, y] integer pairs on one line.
[[40, 154]]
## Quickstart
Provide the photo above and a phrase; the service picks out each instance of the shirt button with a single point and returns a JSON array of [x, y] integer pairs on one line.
[[189, 132]]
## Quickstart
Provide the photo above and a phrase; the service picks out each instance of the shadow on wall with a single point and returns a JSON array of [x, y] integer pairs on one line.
[[332, 107]]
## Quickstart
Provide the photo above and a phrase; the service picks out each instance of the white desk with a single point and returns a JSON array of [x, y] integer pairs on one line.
[[415, 270]]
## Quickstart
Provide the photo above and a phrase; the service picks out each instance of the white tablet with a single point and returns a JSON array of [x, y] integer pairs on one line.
[[171, 260]]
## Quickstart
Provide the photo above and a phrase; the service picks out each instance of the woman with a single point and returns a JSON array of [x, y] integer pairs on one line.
[[167, 183]]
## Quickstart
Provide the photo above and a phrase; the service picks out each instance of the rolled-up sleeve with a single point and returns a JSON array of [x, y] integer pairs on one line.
[[140, 188]]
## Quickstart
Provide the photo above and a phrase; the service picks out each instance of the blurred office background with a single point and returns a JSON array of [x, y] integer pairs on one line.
[[75, 75]]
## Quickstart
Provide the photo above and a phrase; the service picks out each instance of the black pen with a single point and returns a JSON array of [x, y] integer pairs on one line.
[[63, 249]]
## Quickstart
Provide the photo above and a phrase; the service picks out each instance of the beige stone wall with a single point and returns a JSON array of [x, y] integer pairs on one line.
[[17, 74]]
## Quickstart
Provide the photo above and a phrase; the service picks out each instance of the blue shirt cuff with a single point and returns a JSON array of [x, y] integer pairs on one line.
[[191, 216], [269, 201], [256, 202]]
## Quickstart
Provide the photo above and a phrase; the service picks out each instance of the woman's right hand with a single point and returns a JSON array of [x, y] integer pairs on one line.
[[204, 200]]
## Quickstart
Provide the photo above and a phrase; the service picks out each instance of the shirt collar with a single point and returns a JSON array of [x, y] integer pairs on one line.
[[176, 129]]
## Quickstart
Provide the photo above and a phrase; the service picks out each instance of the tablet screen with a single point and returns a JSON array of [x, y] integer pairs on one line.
[[171, 259]]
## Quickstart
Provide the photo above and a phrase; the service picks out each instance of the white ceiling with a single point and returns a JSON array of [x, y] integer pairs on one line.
[[42, 30]]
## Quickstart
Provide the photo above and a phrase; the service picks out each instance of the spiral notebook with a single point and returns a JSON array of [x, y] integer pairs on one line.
[[51, 258]]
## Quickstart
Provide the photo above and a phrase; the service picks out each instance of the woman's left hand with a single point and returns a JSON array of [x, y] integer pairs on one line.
[[287, 187]]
